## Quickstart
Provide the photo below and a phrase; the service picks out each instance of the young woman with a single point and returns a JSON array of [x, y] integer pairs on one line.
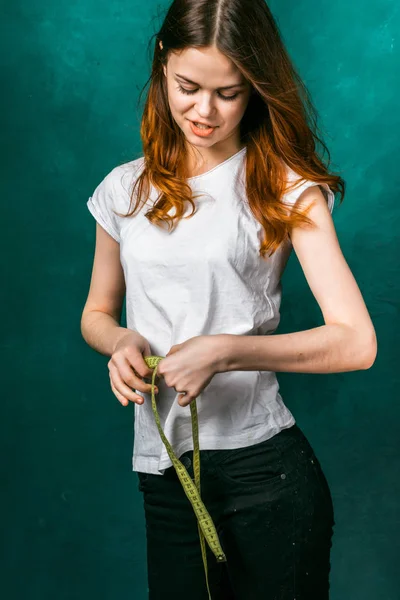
[[229, 183]]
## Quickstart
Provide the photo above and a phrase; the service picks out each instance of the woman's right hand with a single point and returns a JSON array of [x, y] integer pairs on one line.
[[127, 367]]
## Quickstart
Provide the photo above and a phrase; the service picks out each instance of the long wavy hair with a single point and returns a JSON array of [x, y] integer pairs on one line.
[[279, 126]]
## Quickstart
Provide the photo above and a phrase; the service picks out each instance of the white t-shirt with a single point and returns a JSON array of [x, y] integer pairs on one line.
[[204, 278]]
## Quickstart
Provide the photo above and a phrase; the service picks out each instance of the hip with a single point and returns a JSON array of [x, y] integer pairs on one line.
[[283, 465]]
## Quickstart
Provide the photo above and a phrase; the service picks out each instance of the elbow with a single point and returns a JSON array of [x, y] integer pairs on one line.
[[369, 350], [369, 363]]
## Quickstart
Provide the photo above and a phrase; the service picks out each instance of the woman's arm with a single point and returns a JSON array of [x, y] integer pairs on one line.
[[347, 341], [101, 315]]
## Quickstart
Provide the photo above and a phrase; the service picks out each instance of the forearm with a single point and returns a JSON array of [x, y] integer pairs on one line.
[[101, 331], [332, 348]]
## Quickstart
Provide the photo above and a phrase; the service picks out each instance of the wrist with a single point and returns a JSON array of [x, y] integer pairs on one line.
[[224, 352], [120, 333]]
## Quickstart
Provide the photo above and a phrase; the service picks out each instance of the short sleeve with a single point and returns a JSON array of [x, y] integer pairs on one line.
[[292, 196], [102, 204]]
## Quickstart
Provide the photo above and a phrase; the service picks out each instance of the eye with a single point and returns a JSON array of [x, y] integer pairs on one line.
[[190, 92]]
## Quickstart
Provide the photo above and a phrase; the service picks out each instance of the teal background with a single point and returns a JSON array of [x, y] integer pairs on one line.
[[73, 522]]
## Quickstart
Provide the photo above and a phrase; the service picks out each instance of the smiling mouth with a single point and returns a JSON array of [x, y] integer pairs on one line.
[[205, 124]]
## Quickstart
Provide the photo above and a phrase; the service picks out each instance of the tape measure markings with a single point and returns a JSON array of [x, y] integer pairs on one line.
[[206, 527]]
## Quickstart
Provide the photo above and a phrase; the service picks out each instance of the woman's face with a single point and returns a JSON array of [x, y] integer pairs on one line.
[[204, 100]]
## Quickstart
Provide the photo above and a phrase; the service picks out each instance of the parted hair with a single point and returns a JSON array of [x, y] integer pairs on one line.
[[279, 127]]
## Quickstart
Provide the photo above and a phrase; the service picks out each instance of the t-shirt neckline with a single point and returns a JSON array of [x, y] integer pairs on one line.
[[242, 150]]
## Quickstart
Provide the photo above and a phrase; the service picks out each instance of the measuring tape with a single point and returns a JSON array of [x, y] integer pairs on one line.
[[205, 523]]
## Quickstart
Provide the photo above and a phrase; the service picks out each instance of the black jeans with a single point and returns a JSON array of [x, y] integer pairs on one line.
[[272, 508]]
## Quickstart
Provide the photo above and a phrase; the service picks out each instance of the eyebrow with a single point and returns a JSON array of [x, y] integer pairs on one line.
[[227, 87]]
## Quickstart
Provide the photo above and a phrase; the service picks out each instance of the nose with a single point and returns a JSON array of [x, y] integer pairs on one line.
[[204, 107]]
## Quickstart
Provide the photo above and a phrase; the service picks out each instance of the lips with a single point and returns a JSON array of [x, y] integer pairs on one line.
[[206, 124]]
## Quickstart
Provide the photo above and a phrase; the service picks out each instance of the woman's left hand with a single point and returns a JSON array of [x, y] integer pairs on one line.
[[190, 366]]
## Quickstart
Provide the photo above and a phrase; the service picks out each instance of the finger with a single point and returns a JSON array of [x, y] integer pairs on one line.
[[184, 400], [129, 379], [137, 363], [125, 389], [150, 379], [121, 399]]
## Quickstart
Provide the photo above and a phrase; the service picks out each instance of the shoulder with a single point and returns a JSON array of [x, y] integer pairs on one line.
[[298, 189], [114, 190], [123, 175]]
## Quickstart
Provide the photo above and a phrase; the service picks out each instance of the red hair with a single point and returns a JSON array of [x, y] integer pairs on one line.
[[278, 128]]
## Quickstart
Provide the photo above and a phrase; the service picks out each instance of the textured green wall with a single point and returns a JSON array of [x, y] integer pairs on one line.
[[71, 73], [349, 55]]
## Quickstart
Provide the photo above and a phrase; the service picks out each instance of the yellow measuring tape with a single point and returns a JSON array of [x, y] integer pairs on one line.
[[205, 523]]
